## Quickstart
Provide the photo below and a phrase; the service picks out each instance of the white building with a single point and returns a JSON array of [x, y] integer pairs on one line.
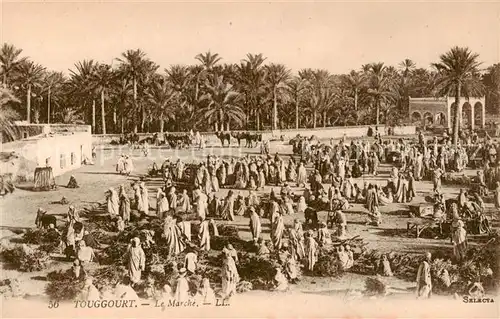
[[63, 147]]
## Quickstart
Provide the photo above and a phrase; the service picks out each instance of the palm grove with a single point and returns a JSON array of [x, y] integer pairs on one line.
[[134, 94]]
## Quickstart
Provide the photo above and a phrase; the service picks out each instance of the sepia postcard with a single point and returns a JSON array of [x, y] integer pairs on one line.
[[249, 159]]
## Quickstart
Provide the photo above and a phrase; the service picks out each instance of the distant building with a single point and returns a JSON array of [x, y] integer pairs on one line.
[[430, 111], [61, 146]]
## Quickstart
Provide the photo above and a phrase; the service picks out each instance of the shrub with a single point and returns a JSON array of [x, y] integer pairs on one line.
[[257, 270], [26, 258], [375, 286], [62, 286], [112, 255], [328, 265], [108, 276], [228, 231]]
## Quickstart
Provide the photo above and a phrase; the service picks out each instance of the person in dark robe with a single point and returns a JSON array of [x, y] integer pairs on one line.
[[411, 187], [401, 190], [356, 170], [371, 199], [90, 240]]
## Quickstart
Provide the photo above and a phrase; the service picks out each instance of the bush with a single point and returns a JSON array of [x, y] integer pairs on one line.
[[457, 180], [375, 286], [62, 286], [26, 259], [40, 236], [219, 242], [112, 255], [104, 237], [327, 265], [443, 273], [228, 231], [257, 270], [108, 276], [34, 236]]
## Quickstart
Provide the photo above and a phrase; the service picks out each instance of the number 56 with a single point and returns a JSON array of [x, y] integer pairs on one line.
[[53, 304]]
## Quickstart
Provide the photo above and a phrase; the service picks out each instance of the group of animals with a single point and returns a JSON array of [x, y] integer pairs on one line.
[[182, 140], [250, 138]]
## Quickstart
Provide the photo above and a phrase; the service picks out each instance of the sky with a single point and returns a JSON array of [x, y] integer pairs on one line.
[[335, 36]]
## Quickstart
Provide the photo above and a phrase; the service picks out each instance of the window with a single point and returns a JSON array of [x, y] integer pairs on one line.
[[73, 158], [63, 161]]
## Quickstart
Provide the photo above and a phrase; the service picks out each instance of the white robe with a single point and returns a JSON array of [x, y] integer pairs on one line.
[[145, 199], [182, 290], [204, 235], [129, 166], [113, 204]]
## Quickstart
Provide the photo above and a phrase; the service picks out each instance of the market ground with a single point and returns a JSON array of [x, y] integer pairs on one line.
[[19, 210]]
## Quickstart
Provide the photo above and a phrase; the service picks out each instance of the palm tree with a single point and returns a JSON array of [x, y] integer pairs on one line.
[[296, 89], [251, 76], [223, 105], [277, 78], [208, 59], [491, 80], [102, 78], [9, 61], [121, 95], [355, 81], [29, 75], [319, 92], [7, 114], [407, 66], [69, 116], [458, 74], [52, 86], [135, 65], [81, 85], [380, 87], [161, 96]]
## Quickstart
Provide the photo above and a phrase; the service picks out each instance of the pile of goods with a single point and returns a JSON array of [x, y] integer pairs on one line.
[[258, 271], [328, 264], [26, 258], [228, 234], [479, 269], [63, 286], [48, 240], [451, 179]]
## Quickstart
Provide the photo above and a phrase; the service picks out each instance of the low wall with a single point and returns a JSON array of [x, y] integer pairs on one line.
[[339, 132], [323, 133]]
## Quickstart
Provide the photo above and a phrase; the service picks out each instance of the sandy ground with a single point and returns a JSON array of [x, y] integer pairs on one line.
[[19, 209]]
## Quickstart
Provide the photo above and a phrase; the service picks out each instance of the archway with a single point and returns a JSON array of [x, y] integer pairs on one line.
[[440, 119], [466, 115], [478, 114], [416, 118], [428, 119]]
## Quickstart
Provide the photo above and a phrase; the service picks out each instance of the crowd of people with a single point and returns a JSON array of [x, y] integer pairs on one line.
[[322, 178]]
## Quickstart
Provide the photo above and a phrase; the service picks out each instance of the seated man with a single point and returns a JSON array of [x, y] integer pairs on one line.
[[375, 217], [85, 254]]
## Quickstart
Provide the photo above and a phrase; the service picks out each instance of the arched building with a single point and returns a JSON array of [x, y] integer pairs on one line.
[[440, 111]]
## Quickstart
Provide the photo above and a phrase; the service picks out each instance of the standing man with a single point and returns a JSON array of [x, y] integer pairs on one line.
[[459, 239], [424, 282]]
